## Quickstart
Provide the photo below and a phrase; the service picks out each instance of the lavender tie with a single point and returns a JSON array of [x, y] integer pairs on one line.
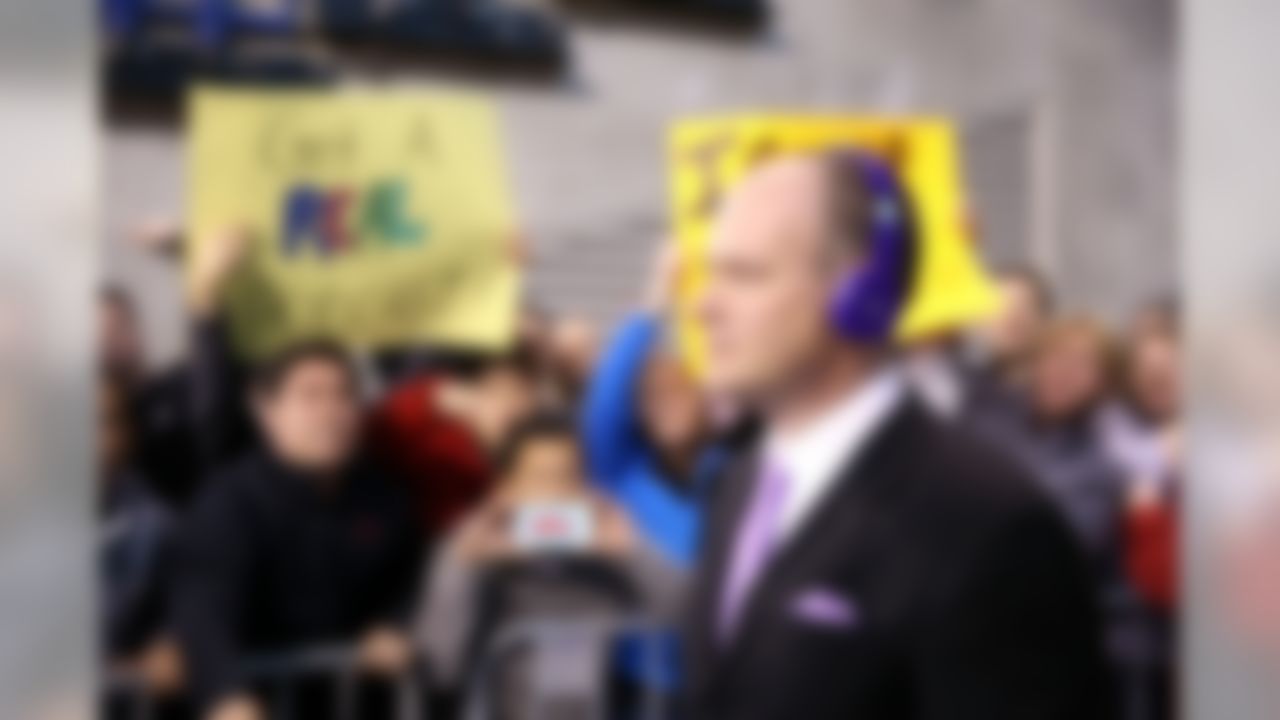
[[753, 545]]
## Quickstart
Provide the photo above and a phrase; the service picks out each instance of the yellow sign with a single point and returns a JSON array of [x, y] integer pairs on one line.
[[709, 155], [379, 219]]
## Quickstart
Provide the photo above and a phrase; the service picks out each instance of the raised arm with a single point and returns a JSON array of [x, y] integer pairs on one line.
[[611, 424], [219, 418], [611, 427]]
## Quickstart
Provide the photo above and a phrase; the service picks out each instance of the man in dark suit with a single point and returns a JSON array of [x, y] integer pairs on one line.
[[863, 560]]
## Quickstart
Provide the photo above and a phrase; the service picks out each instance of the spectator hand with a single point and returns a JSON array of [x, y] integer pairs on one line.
[[485, 537], [518, 250], [159, 235], [616, 536], [217, 255], [237, 707], [384, 651], [162, 668], [660, 294]]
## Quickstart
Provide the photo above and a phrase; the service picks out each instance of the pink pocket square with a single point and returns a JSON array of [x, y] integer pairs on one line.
[[826, 608]]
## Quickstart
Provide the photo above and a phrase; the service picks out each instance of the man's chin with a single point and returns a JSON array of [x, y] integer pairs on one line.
[[730, 386]]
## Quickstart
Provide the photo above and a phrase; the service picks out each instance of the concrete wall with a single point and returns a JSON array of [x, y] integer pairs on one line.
[[1066, 109]]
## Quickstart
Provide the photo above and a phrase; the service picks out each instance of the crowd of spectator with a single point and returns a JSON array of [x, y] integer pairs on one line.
[[409, 506]]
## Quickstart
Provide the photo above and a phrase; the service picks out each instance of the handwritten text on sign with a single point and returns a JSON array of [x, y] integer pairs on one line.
[[334, 221], [380, 219]]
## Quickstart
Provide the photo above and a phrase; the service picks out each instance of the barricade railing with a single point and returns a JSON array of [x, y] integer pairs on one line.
[[276, 671], [1140, 652], [410, 688], [520, 635]]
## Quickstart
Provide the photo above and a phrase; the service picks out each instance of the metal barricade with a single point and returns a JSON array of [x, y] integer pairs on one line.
[[129, 687], [279, 669], [522, 634], [1137, 652], [1134, 691]]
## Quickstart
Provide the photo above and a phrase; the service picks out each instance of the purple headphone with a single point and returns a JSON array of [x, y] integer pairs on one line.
[[866, 305]]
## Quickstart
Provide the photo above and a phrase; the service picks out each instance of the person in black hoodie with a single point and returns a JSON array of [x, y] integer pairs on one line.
[[299, 543]]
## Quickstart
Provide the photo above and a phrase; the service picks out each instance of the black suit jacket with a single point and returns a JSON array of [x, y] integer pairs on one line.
[[966, 596]]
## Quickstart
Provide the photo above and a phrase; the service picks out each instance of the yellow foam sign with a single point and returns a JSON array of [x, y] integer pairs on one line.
[[708, 155], [378, 218]]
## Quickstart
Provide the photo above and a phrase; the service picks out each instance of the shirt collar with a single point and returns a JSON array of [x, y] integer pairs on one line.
[[812, 456]]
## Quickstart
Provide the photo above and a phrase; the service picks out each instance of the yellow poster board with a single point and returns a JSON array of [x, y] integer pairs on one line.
[[708, 155], [378, 219]]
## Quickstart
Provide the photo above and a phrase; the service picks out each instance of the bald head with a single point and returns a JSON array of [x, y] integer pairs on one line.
[[783, 240], [781, 199], [815, 199]]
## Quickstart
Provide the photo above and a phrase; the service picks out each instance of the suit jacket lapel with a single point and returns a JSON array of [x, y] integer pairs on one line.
[[848, 498], [733, 494]]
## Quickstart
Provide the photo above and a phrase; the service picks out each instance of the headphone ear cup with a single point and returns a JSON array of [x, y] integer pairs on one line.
[[865, 305], [845, 307]]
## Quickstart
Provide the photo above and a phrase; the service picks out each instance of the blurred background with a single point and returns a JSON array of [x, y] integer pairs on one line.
[[1065, 112]]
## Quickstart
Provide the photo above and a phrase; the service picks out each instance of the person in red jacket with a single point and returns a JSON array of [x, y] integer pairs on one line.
[[1144, 437], [436, 432], [1151, 552]]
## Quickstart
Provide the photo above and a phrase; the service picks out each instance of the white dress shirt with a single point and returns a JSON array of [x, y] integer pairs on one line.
[[813, 456], [937, 382]]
